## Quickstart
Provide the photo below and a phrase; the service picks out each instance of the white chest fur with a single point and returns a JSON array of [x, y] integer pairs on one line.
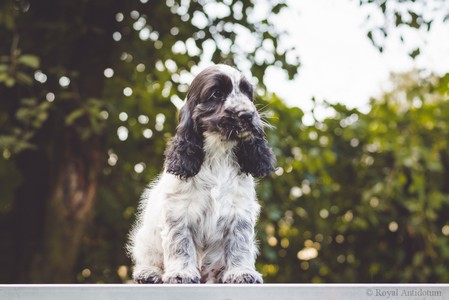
[[202, 227], [218, 195]]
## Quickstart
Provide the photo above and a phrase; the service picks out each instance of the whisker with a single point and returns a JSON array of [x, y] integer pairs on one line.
[[229, 135], [264, 115], [260, 109]]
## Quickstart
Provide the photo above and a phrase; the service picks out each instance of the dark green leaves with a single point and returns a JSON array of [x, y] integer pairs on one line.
[[360, 189]]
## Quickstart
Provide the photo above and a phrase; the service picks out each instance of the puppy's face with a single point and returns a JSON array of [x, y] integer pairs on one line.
[[221, 101]]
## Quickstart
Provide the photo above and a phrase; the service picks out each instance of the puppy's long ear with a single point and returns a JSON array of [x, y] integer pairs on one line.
[[255, 156], [185, 153]]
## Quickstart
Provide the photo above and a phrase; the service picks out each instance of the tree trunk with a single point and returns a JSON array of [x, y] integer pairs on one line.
[[83, 46], [68, 212]]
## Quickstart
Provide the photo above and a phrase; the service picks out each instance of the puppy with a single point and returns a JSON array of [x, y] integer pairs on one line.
[[196, 221]]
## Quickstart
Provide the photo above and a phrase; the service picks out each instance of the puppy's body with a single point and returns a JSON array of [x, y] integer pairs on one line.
[[197, 220], [212, 208]]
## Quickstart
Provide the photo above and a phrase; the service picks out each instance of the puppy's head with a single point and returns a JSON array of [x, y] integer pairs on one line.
[[219, 100]]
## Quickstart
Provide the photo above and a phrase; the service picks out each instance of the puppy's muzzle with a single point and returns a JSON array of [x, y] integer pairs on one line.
[[241, 122]]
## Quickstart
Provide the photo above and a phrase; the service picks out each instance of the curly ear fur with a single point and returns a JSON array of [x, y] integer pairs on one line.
[[185, 154], [255, 156]]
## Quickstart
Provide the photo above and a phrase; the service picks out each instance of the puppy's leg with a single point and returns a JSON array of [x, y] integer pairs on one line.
[[179, 251], [240, 254], [146, 252]]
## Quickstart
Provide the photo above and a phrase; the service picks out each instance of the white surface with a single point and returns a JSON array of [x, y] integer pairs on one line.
[[229, 292]]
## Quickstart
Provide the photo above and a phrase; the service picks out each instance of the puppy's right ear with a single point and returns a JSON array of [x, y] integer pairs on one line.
[[185, 154]]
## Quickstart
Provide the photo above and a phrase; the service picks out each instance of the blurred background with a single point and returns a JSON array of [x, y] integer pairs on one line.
[[357, 91]]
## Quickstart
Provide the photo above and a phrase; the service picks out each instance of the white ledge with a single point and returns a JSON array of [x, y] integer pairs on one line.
[[225, 292]]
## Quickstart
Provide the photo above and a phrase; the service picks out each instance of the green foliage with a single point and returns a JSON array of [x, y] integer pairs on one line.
[[97, 84], [361, 197], [357, 197], [15, 72]]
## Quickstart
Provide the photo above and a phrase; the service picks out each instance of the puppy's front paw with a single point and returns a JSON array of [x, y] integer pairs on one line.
[[242, 277], [148, 280], [148, 276], [182, 277]]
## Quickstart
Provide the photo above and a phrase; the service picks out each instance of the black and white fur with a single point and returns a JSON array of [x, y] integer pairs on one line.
[[196, 221]]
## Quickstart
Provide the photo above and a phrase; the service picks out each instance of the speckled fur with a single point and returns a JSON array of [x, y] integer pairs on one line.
[[196, 221]]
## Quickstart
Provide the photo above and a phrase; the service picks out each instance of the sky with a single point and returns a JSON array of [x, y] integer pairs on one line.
[[339, 62]]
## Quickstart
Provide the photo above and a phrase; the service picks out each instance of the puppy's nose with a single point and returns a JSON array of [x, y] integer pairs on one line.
[[246, 115]]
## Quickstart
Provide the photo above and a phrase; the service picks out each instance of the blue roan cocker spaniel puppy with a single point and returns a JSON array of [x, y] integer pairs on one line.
[[196, 221]]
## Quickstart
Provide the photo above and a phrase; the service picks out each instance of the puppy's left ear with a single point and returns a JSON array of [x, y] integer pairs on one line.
[[255, 156], [185, 154]]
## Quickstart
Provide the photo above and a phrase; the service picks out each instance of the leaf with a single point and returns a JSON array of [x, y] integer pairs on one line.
[[416, 20], [414, 53], [383, 6], [278, 7], [418, 259], [370, 36], [10, 82], [29, 60], [398, 18], [24, 114], [28, 101], [76, 114], [40, 118], [3, 77], [24, 78]]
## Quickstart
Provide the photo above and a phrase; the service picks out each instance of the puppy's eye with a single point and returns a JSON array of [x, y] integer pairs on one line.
[[217, 94], [247, 89]]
